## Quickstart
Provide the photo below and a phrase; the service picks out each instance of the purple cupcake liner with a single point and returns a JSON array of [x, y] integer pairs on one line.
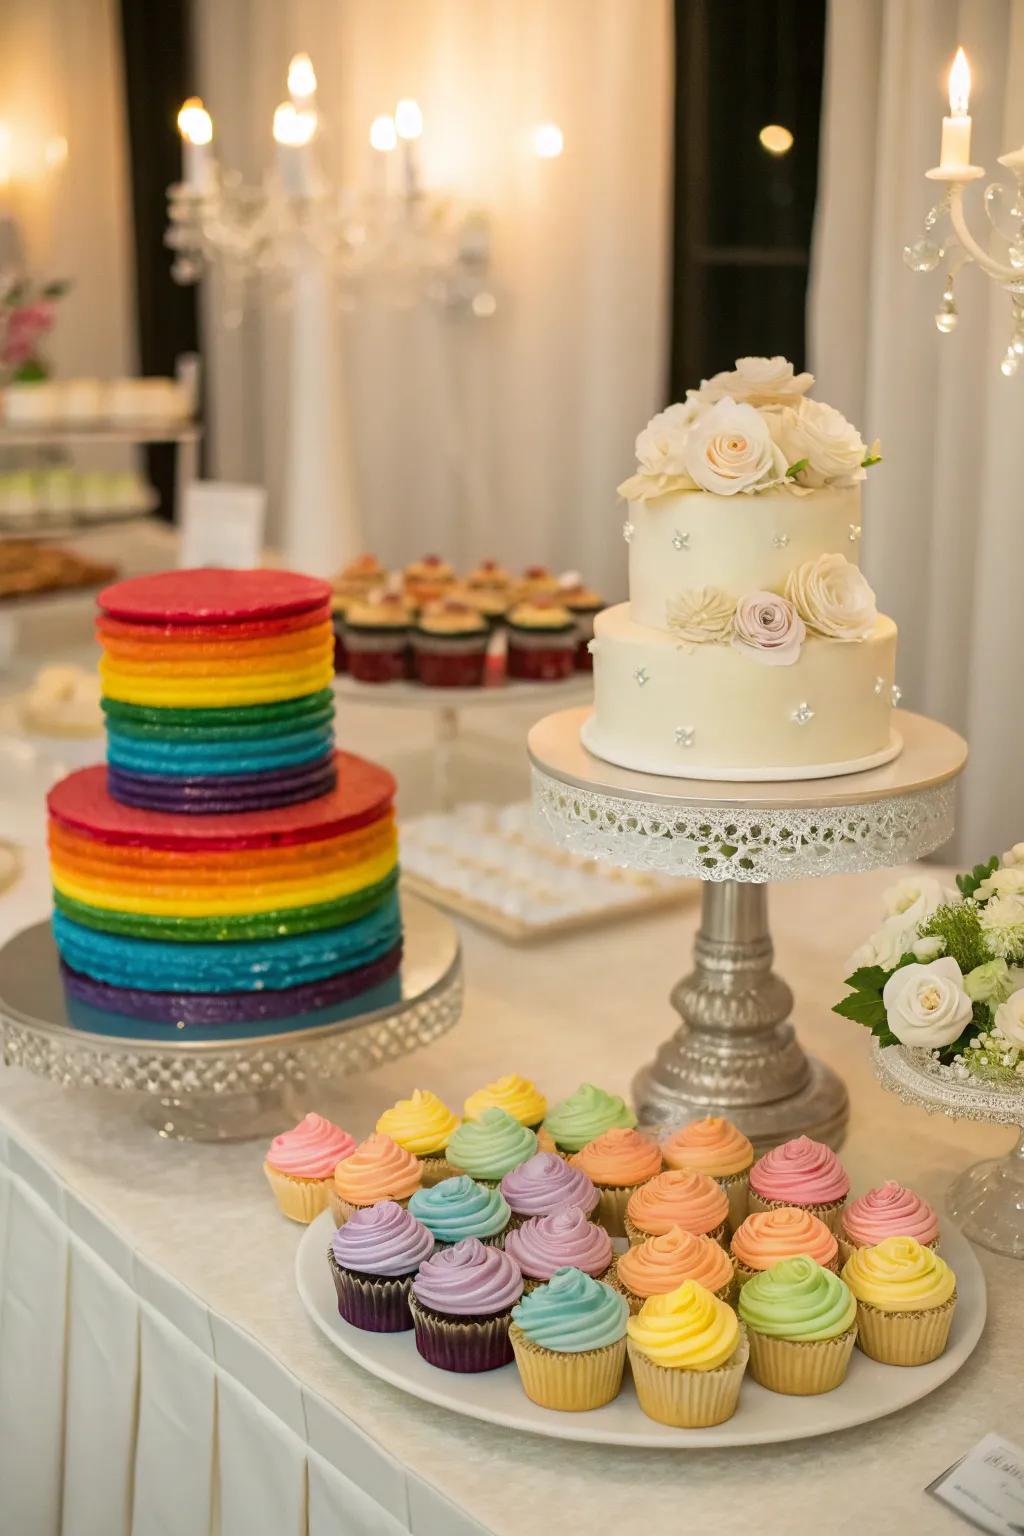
[[230, 1007], [374, 1303], [214, 794], [464, 1345]]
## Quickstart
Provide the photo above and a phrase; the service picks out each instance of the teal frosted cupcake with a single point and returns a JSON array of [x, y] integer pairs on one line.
[[802, 1324], [569, 1340], [585, 1115], [490, 1146], [458, 1208]]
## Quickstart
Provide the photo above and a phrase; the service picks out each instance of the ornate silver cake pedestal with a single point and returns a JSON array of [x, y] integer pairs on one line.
[[228, 1082], [735, 1053], [987, 1201]]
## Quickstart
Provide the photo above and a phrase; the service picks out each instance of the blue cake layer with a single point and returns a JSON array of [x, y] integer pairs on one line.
[[174, 758], [254, 966]]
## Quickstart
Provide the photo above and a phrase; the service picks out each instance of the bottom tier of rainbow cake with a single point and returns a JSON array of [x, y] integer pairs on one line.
[[227, 864]]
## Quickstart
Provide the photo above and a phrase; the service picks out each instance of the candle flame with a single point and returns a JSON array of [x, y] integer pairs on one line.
[[294, 125], [408, 119], [383, 134], [959, 85], [194, 122], [301, 78]]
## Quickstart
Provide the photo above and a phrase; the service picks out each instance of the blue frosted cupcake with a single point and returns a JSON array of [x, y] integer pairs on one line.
[[459, 1208], [569, 1342]]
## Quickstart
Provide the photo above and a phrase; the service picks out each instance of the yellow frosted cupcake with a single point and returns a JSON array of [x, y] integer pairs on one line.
[[801, 1321], [716, 1147], [569, 1340], [678, 1199], [661, 1264], [767, 1237], [378, 1169], [617, 1163], [422, 1125], [906, 1296], [300, 1166], [688, 1352], [517, 1096]]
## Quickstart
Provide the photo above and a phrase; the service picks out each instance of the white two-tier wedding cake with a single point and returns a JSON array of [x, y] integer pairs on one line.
[[751, 646]]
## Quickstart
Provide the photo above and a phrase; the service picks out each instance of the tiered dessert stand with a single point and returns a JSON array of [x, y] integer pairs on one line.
[[735, 1052], [226, 1082]]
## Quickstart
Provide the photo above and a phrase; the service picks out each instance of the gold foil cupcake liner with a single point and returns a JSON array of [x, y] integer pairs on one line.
[[717, 1235], [737, 1187], [436, 1168], [298, 1199], [904, 1338], [800, 1367], [831, 1214], [341, 1209], [848, 1249], [568, 1383], [689, 1399], [610, 1210], [726, 1293]]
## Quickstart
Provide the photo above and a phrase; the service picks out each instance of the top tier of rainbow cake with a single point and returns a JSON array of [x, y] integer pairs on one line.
[[227, 864]]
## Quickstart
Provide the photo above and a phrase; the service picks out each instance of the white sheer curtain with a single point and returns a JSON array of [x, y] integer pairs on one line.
[[943, 534], [505, 436]]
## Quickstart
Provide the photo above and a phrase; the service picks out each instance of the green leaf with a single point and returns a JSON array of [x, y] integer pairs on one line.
[[797, 468], [56, 289], [872, 458], [968, 884], [863, 1007]]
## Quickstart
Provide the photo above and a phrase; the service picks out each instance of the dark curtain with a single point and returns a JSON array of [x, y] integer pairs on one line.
[[158, 76]]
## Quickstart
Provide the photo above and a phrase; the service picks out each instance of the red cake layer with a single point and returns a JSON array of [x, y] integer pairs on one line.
[[243, 629], [363, 794], [209, 596]]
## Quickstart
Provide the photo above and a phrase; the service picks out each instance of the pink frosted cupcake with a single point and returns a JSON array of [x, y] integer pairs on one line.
[[461, 1305], [716, 1147], [678, 1199], [890, 1210], [564, 1239], [785, 1232], [617, 1163], [544, 1183], [804, 1173], [300, 1165], [378, 1169]]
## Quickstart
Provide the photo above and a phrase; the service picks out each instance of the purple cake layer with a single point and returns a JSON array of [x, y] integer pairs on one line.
[[230, 1007], [210, 794]]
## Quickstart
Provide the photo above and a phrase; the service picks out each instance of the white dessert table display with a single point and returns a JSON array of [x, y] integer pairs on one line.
[[735, 1052], [870, 1391]]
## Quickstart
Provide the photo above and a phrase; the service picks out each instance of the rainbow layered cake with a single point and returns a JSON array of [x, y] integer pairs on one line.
[[227, 864]]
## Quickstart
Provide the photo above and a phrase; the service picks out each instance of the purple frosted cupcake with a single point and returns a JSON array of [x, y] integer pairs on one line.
[[564, 1238], [544, 1183], [373, 1259], [461, 1304]]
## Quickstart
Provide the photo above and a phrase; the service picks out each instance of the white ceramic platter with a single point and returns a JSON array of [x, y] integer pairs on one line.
[[870, 1391]]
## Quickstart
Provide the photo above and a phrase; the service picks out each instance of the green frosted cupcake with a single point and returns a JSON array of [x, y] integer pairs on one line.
[[585, 1115], [802, 1324], [490, 1146]]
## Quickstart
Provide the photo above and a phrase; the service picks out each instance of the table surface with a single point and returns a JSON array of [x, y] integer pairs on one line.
[[594, 1006]]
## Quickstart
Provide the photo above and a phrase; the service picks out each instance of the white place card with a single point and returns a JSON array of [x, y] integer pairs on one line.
[[986, 1487], [222, 525]]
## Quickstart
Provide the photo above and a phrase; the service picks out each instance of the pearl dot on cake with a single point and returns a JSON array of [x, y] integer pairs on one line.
[[895, 694], [855, 531], [641, 676], [628, 530], [803, 713], [780, 540], [680, 540], [686, 735], [879, 686]]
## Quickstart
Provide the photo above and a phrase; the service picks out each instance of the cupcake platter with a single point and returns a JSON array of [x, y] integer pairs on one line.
[[869, 1392]]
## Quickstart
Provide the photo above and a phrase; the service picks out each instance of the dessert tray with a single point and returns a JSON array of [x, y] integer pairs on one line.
[[870, 1390]]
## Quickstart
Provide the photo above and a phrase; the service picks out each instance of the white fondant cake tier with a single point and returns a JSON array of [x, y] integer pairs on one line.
[[738, 543], [699, 711]]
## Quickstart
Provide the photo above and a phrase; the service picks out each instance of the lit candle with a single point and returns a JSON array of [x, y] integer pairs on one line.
[[294, 132], [956, 128], [302, 80], [196, 128], [409, 127], [383, 139]]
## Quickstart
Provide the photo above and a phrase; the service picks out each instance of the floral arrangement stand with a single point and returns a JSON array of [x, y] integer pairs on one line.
[[735, 1052]]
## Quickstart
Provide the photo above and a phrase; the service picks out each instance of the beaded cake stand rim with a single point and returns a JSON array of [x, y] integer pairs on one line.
[[913, 1077]]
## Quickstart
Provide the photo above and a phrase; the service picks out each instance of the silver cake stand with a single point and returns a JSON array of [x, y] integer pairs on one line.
[[228, 1082], [986, 1201], [735, 1052]]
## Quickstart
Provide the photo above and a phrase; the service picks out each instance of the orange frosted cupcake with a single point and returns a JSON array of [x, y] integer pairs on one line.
[[378, 1169], [300, 1165], [767, 1237], [716, 1147], [617, 1163], [660, 1264], [678, 1199]]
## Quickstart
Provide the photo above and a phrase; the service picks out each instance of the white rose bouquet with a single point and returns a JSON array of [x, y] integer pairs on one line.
[[944, 972]]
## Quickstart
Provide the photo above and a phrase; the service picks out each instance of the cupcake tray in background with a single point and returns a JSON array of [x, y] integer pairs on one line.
[[489, 864], [870, 1390]]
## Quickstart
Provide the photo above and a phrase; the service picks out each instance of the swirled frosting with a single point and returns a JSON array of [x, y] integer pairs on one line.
[[585, 1114], [544, 1182], [800, 1172], [379, 1169], [312, 1150], [797, 1299], [421, 1124], [382, 1239], [619, 1157], [765, 1237], [890, 1210], [490, 1146], [469, 1280], [678, 1199], [458, 1208], [516, 1095], [572, 1313], [686, 1329], [662, 1263], [898, 1275], [713, 1146], [565, 1237]]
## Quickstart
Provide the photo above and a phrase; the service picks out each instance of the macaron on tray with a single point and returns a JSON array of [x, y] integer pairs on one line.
[[564, 1241]]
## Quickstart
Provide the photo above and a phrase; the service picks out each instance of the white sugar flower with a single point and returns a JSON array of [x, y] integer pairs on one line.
[[833, 598], [821, 435], [1002, 882], [701, 616], [916, 897], [926, 1005], [1002, 922], [661, 446], [1009, 1020], [730, 449], [768, 629], [758, 380]]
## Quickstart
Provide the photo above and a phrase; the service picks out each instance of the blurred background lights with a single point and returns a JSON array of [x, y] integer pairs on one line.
[[548, 141], [408, 119], [383, 134], [776, 139]]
